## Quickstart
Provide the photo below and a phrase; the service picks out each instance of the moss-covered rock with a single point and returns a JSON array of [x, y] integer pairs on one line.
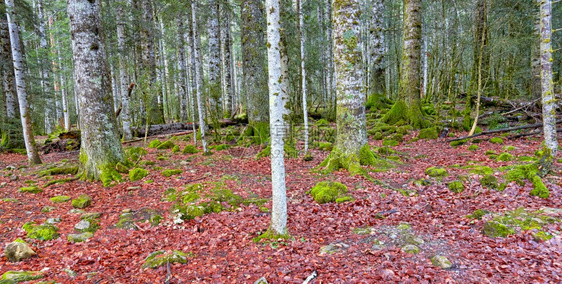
[[82, 201], [481, 170], [189, 149], [44, 232], [135, 153], [398, 137], [436, 172], [121, 168], [428, 133], [160, 258], [18, 251], [127, 220], [176, 149], [90, 225], [221, 147], [137, 174], [456, 186], [328, 191], [458, 142], [539, 189], [411, 249], [390, 142], [496, 140], [10, 277], [505, 157], [496, 229], [66, 170], [506, 224], [169, 173], [478, 214], [60, 199], [154, 144], [441, 261], [78, 238], [31, 189], [489, 181]]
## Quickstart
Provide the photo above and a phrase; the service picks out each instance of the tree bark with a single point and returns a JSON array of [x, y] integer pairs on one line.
[[303, 74], [227, 61], [376, 35], [8, 77], [215, 90], [182, 94], [50, 105], [19, 72], [123, 75], [253, 66], [101, 148], [198, 75], [278, 102]]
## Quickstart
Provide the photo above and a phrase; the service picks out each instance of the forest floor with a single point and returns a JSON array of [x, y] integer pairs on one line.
[[365, 234]]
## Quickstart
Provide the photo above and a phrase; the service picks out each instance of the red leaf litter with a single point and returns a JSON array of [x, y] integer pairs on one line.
[[222, 246]]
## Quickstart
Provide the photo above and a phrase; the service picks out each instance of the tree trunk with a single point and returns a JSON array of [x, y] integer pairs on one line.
[[198, 75], [19, 72], [101, 149], [8, 77], [351, 140], [182, 94], [50, 105], [215, 89], [408, 106], [253, 66], [123, 75], [547, 86], [376, 34], [278, 102], [227, 61], [303, 74], [191, 71]]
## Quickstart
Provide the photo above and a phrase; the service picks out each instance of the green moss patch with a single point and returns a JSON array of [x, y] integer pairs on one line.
[[160, 258], [489, 181], [44, 232], [328, 191], [528, 172], [496, 140], [458, 142], [505, 157], [478, 214], [189, 149], [390, 142], [481, 170], [506, 224], [68, 170], [456, 186], [82, 201], [137, 174], [31, 189], [325, 146], [135, 153], [169, 173], [166, 145], [154, 144], [428, 133], [472, 147], [60, 199], [10, 277], [127, 220], [176, 149], [436, 172]]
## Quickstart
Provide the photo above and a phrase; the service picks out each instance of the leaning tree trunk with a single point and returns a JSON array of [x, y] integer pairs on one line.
[[351, 149], [123, 76], [253, 66], [101, 149], [277, 102], [408, 106], [19, 72], [198, 75], [547, 87]]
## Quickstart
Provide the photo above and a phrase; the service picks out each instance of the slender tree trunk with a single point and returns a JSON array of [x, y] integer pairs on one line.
[[63, 93], [101, 149], [191, 74], [8, 77], [227, 62], [19, 72], [377, 49], [277, 102], [123, 75], [303, 74], [163, 73], [547, 85], [253, 67], [198, 75], [215, 90], [50, 105], [182, 71], [330, 82]]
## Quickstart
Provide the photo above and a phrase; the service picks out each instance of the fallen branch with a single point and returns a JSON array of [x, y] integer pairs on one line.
[[558, 130], [536, 125], [311, 277]]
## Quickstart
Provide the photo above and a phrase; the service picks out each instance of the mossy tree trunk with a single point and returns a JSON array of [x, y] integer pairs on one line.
[[351, 141], [277, 102], [547, 85], [408, 106], [101, 149], [253, 66], [19, 72]]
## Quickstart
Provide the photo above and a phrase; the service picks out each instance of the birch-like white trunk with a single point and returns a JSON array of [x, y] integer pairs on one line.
[[330, 82], [303, 75], [19, 72], [101, 148], [376, 49], [547, 85], [190, 72], [63, 93], [123, 75], [227, 61], [182, 80], [277, 103], [198, 75], [50, 105]]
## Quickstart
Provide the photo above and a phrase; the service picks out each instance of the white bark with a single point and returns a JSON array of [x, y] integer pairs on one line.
[[277, 107], [227, 61], [19, 72], [64, 95], [123, 76], [214, 59], [182, 80], [330, 82], [50, 105], [190, 72], [547, 85], [303, 75], [198, 75]]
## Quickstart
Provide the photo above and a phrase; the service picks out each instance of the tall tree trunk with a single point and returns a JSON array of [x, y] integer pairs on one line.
[[278, 102], [303, 74], [198, 75], [408, 106], [547, 87], [19, 72], [63, 93], [50, 105], [123, 75], [101, 149], [351, 149], [330, 80], [182, 71], [191, 74], [215, 90], [253, 66], [227, 61], [8, 77], [376, 35]]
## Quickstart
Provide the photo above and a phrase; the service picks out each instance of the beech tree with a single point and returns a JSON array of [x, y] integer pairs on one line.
[[215, 89], [19, 74], [101, 148]]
